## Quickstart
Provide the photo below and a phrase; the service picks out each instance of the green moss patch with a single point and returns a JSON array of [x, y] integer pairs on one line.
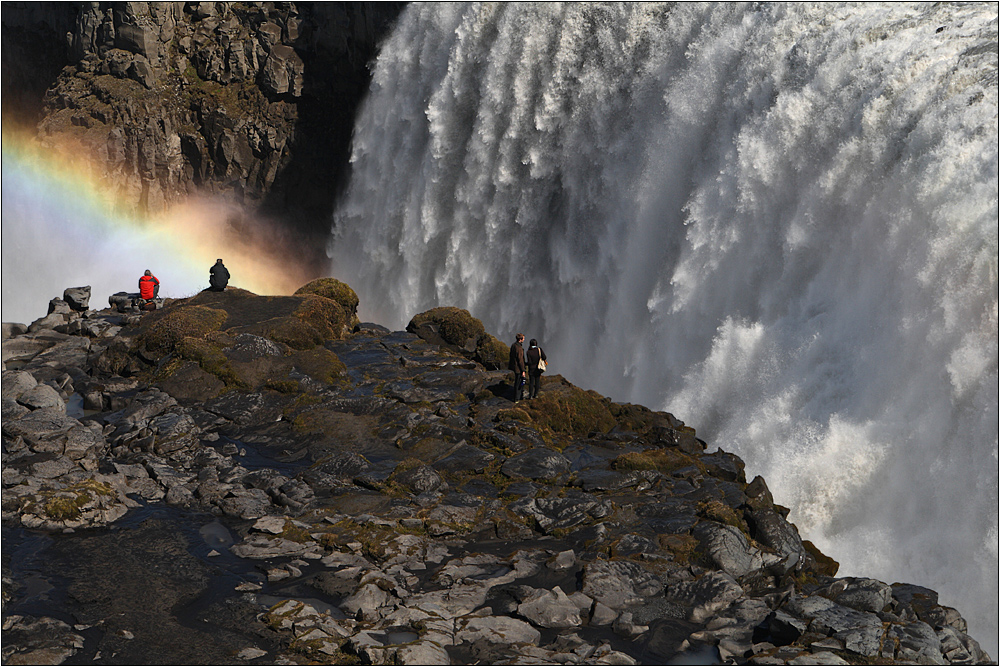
[[67, 504], [295, 533], [492, 353], [320, 364], [682, 547], [825, 565], [454, 325], [211, 360], [565, 408], [713, 510], [166, 329], [661, 460], [514, 414], [333, 289]]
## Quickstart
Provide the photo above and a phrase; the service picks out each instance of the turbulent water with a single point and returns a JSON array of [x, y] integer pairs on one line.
[[778, 222]]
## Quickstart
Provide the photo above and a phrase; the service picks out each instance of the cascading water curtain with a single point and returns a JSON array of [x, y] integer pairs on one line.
[[778, 222]]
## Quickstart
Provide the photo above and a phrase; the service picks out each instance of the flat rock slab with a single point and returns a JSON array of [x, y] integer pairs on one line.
[[617, 584], [496, 630], [536, 463], [705, 596]]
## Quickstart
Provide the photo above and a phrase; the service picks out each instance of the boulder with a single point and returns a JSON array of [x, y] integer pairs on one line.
[[858, 593], [282, 72], [772, 530], [731, 551], [12, 329], [550, 609], [42, 396], [465, 457], [917, 643], [365, 603], [15, 383], [78, 298], [29, 345], [42, 640], [247, 504], [13, 410], [617, 584], [569, 510]]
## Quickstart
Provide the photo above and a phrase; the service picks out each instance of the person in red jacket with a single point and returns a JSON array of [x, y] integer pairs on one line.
[[149, 286]]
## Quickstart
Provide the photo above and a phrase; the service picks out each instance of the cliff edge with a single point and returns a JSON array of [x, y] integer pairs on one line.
[[236, 478]]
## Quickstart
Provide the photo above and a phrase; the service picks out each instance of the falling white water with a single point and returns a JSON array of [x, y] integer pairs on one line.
[[778, 222]]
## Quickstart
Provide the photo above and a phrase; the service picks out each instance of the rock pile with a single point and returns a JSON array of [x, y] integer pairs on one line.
[[390, 505]]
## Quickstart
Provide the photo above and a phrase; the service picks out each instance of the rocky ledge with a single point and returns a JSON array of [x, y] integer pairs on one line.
[[266, 480]]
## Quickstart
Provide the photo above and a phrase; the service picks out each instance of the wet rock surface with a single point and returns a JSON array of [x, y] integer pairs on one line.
[[321, 491]]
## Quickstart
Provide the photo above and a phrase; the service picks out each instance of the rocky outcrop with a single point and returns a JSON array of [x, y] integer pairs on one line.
[[253, 102], [374, 496]]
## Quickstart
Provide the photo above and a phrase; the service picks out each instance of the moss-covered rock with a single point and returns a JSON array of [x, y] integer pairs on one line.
[[454, 326], [491, 352], [210, 358], [289, 330], [825, 565], [714, 510], [165, 330], [324, 315], [641, 419], [320, 364], [683, 548], [564, 408], [69, 503], [333, 289]]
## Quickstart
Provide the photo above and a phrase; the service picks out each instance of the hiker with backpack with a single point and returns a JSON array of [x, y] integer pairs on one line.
[[535, 360]]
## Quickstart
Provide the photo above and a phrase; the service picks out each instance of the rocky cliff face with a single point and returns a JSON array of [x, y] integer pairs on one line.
[[251, 101], [236, 478]]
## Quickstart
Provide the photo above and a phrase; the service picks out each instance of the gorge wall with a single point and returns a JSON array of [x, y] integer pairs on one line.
[[253, 102]]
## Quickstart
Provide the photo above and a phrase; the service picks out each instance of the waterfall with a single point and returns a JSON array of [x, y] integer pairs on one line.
[[777, 221]]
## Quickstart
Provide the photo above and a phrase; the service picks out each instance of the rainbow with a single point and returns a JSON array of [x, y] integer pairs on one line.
[[65, 224]]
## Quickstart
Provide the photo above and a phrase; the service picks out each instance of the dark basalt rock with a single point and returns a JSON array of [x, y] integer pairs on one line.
[[537, 463], [251, 102], [371, 496]]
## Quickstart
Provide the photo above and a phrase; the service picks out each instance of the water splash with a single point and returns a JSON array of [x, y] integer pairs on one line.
[[777, 221]]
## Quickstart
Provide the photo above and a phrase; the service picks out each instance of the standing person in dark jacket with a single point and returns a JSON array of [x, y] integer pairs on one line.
[[218, 276], [532, 357], [516, 364]]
